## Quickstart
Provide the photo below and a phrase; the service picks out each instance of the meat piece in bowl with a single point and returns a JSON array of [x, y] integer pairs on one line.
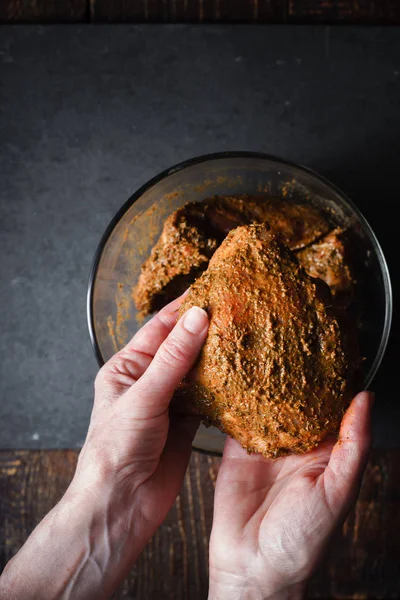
[[274, 372], [327, 259], [192, 233]]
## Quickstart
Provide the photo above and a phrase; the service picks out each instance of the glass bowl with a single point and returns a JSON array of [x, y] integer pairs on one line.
[[127, 242]]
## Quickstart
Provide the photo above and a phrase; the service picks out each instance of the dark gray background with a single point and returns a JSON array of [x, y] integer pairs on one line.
[[88, 114]]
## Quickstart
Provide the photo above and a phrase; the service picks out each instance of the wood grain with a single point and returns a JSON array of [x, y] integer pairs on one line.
[[247, 11], [362, 561], [44, 11], [189, 11], [344, 11], [199, 11]]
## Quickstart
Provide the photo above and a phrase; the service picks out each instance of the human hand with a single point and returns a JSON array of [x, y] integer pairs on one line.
[[133, 443], [273, 518], [129, 472]]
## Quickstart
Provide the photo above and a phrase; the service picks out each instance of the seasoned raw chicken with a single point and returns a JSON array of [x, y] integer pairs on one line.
[[192, 234], [180, 255], [327, 260], [273, 373], [296, 225]]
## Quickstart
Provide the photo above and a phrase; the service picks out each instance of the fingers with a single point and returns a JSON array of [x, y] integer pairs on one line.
[[172, 361], [127, 365], [350, 454], [149, 338]]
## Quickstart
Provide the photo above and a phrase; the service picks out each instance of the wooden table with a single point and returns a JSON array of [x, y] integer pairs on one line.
[[362, 563], [186, 11]]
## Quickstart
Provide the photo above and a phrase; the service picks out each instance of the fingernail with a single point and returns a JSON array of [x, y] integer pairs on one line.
[[194, 320], [365, 396]]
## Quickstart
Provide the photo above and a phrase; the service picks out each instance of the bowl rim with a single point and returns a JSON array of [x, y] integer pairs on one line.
[[230, 155]]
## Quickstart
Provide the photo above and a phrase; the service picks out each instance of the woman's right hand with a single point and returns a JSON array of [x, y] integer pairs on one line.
[[273, 518]]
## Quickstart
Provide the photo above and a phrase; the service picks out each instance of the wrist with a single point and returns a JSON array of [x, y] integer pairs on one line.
[[236, 587], [106, 510], [104, 526], [81, 549]]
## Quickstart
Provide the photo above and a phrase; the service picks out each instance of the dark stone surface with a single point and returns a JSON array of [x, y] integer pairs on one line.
[[88, 114]]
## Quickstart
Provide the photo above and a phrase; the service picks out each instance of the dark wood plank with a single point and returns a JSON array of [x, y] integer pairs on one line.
[[247, 11], [187, 11], [44, 11], [174, 565], [362, 561], [386, 12], [31, 483]]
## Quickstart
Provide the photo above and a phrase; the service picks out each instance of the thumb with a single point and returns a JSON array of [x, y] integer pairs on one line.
[[350, 454], [173, 360]]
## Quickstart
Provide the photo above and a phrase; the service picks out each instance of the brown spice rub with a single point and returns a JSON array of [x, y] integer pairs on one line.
[[192, 234], [327, 259], [273, 373], [179, 256], [296, 225]]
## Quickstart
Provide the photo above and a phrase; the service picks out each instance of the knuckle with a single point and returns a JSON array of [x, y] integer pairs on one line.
[[174, 351], [99, 380], [105, 377]]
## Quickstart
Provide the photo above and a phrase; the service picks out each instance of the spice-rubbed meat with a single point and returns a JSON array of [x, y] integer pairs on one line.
[[327, 259], [296, 225], [179, 256], [273, 373], [191, 235]]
